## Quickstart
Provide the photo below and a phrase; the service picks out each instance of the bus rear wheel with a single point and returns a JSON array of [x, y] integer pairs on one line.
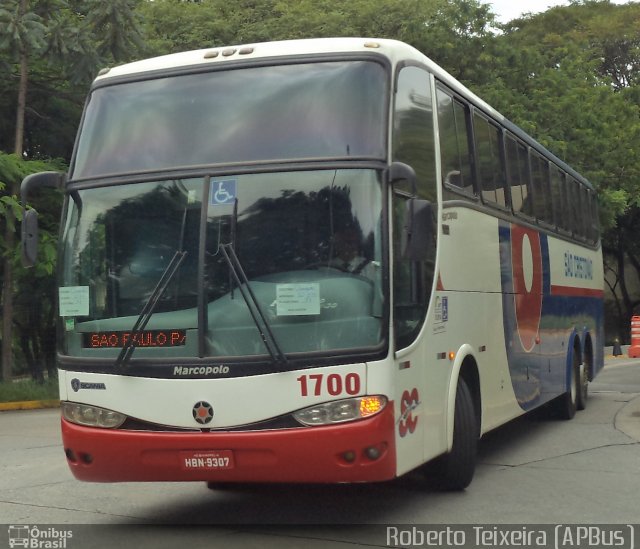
[[454, 471], [583, 387], [567, 404]]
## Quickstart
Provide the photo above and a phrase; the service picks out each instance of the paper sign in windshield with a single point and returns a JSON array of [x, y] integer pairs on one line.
[[73, 300], [298, 299]]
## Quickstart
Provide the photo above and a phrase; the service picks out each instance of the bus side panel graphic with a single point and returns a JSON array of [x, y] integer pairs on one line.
[[541, 318]]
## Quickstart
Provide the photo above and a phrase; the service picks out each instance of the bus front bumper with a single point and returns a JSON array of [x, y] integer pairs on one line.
[[360, 451]]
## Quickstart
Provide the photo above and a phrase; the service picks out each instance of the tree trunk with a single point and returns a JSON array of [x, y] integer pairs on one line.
[[22, 103], [7, 293]]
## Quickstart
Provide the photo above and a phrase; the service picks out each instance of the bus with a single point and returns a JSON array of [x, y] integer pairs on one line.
[[311, 261]]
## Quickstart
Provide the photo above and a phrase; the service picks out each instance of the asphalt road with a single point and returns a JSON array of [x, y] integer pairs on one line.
[[532, 471]]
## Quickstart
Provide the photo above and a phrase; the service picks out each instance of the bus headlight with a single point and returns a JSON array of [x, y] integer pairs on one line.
[[91, 416], [340, 411]]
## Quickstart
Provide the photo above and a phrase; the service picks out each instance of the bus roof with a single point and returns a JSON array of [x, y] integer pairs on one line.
[[247, 52]]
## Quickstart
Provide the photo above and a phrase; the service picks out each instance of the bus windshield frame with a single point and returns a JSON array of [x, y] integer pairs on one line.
[[342, 191]]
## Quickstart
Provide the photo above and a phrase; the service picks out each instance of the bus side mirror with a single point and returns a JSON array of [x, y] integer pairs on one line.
[[29, 238], [399, 171], [30, 217], [417, 232]]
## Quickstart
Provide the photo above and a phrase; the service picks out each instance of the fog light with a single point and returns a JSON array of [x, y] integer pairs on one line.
[[372, 453], [349, 456]]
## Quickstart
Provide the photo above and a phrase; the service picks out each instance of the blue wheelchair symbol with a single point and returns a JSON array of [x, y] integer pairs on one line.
[[223, 192]]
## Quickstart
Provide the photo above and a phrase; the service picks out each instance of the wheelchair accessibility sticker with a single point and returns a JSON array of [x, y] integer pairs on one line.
[[223, 192]]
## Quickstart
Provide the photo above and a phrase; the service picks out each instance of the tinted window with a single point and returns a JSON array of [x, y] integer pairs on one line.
[[518, 176], [593, 216], [413, 141], [574, 206], [490, 171], [454, 143], [541, 191], [315, 110], [557, 199]]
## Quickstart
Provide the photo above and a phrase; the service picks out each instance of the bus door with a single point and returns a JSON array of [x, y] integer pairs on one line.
[[414, 209]]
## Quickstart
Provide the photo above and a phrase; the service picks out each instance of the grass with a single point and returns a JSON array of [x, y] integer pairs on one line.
[[20, 390]]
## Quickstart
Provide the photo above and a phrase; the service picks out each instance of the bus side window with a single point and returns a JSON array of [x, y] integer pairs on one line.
[[567, 210], [454, 143], [557, 198], [489, 162], [584, 213], [518, 176], [413, 140], [541, 193], [594, 226], [573, 190]]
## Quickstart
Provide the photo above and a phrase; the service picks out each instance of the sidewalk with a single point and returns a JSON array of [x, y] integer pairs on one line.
[[628, 419]]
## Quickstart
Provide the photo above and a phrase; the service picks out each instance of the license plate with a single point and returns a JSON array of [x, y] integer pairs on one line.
[[199, 460]]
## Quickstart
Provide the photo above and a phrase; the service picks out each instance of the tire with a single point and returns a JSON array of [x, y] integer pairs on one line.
[[567, 404], [454, 471], [583, 384]]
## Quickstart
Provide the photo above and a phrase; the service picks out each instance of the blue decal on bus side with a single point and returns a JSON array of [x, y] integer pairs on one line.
[[539, 326]]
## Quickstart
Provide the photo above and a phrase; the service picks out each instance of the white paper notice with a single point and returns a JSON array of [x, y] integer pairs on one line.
[[298, 299], [73, 300]]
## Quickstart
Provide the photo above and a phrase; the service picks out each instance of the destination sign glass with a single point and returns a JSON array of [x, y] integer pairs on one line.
[[146, 338]]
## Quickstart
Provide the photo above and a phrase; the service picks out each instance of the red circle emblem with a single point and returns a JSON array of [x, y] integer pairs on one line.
[[526, 262], [409, 402]]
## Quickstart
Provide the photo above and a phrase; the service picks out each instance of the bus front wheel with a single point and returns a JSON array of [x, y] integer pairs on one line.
[[454, 471]]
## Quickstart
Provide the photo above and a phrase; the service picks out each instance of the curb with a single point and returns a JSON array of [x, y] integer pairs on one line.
[[29, 405]]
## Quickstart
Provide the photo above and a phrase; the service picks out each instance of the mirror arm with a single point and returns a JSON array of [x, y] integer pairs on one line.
[[29, 227], [38, 180], [399, 171]]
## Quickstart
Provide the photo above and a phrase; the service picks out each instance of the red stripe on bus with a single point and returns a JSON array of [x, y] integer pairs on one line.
[[577, 292]]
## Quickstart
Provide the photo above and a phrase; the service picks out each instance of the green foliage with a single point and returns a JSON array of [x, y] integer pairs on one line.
[[66, 42], [24, 390], [12, 171], [175, 25], [34, 294], [22, 31]]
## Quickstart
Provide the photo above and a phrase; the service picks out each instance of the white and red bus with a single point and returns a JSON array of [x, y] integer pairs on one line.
[[312, 261]]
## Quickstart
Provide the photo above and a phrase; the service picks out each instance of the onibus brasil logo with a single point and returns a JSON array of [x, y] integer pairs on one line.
[[38, 538]]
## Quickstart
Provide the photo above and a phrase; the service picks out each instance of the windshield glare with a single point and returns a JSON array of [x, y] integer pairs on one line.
[[288, 112], [309, 244]]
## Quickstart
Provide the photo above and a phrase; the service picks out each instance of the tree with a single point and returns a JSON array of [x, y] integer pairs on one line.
[[570, 78], [116, 27], [23, 36], [12, 170], [39, 33]]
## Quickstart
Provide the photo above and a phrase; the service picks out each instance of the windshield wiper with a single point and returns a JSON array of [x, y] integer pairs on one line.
[[145, 314], [259, 319]]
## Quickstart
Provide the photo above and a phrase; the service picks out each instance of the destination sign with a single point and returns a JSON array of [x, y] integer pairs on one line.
[[145, 338]]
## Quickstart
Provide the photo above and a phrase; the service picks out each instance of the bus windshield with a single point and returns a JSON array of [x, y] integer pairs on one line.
[[309, 244], [258, 114]]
